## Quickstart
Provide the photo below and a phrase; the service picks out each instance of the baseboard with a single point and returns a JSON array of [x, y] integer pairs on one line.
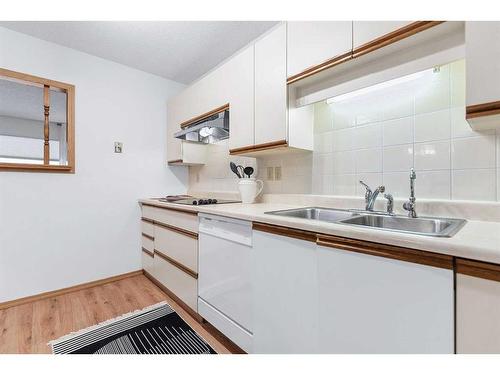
[[75, 288], [230, 345]]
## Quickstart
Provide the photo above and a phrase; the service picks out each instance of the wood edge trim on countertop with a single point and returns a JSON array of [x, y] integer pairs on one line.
[[285, 231], [480, 110], [259, 147], [175, 161], [177, 230], [74, 288], [172, 295], [387, 251], [226, 342], [146, 251], [475, 268], [148, 236], [320, 67], [194, 213], [220, 109], [382, 41], [176, 264], [394, 36]]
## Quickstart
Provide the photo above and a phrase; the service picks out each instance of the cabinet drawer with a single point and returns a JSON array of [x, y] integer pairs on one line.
[[148, 243], [184, 286], [183, 220], [147, 260], [181, 247], [147, 227]]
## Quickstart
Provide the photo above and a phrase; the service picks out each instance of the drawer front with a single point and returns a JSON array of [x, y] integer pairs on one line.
[[180, 247], [148, 243], [184, 286], [147, 261], [187, 221], [147, 228]]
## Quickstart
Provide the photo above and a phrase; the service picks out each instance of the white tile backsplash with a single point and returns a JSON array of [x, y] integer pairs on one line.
[[377, 137]]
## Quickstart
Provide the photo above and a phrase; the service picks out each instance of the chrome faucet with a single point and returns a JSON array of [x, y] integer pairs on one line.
[[410, 205], [371, 196]]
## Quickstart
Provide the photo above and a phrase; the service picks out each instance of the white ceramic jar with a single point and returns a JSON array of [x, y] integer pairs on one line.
[[250, 188]]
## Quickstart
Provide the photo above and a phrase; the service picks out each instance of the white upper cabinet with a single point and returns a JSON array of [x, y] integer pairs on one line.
[[237, 83], [310, 43], [372, 304], [270, 87], [482, 55], [482, 44], [366, 31]]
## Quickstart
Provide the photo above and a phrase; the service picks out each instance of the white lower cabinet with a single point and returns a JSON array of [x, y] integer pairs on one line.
[[371, 304], [285, 295], [317, 299], [478, 308]]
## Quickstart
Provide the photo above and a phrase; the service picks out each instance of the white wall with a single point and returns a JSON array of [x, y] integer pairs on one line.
[[59, 230]]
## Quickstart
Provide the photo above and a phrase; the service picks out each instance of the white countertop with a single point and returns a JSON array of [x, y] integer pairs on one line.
[[478, 240]]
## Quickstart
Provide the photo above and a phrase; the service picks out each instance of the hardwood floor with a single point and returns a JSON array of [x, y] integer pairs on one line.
[[28, 328]]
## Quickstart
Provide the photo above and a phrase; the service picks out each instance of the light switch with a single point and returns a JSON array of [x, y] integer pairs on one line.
[[118, 147]]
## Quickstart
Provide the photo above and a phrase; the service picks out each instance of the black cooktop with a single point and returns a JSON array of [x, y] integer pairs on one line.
[[199, 201]]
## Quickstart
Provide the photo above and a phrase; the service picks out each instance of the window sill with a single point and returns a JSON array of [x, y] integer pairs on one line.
[[19, 167]]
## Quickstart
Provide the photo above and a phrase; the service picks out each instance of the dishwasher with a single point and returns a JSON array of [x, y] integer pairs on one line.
[[224, 277]]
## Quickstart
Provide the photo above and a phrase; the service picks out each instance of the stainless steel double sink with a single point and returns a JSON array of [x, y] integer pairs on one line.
[[426, 226]]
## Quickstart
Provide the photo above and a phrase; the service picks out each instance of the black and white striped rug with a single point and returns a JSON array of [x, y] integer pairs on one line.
[[154, 330]]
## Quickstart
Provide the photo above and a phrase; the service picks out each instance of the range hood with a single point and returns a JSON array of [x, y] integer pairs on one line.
[[210, 129]]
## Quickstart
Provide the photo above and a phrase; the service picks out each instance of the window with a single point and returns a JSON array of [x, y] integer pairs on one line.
[[36, 124]]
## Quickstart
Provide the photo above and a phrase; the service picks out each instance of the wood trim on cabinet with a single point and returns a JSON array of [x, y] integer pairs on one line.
[[259, 147], [480, 110], [386, 251], [150, 221], [393, 37], [146, 251], [220, 109], [177, 230], [483, 270], [384, 40], [176, 264], [175, 162], [148, 236], [74, 288], [285, 231], [320, 67], [194, 213]]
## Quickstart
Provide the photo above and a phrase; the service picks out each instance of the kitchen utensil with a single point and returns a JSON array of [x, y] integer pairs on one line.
[[240, 171], [234, 169], [248, 171]]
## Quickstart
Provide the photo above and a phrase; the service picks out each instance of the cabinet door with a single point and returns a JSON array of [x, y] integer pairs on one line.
[[310, 43], [285, 294], [478, 315], [238, 84], [371, 304], [482, 51], [366, 31], [270, 87]]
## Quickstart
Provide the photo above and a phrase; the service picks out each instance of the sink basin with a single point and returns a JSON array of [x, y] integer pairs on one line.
[[426, 226], [437, 227], [316, 213]]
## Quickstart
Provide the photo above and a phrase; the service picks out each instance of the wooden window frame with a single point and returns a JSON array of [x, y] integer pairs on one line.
[[47, 84]]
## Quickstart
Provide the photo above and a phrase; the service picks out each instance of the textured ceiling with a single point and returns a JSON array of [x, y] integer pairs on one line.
[[178, 50]]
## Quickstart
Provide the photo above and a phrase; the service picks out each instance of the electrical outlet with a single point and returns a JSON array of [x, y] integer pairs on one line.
[[270, 173], [277, 173], [118, 147]]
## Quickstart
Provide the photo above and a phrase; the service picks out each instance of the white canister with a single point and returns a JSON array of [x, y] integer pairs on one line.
[[249, 189]]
